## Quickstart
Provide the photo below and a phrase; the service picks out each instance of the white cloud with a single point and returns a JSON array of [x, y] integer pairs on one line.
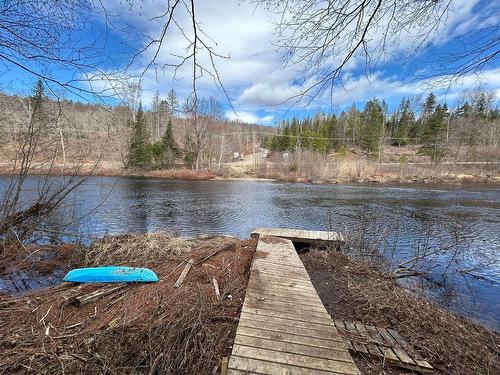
[[249, 117], [255, 76]]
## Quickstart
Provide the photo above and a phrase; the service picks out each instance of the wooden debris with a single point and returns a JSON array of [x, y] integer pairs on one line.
[[220, 250], [216, 287], [184, 273], [224, 365], [382, 343], [96, 294]]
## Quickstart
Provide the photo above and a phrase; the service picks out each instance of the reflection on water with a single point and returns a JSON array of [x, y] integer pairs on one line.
[[408, 218]]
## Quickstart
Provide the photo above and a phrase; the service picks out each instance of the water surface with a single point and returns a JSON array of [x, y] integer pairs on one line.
[[397, 220]]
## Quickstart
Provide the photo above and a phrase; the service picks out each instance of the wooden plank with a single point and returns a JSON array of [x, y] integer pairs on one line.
[[357, 346], [255, 298], [293, 348], [281, 328], [287, 322], [419, 360], [387, 337], [295, 359], [256, 366], [279, 305], [277, 284], [290, 338], [290, 316], [224, 365], [300, 313], [389, 354], [403, 357], [288, 263], [306, 236], [184, 273], [302, 296], [216, 287], [300, 300], [261, 277], [298, 276], [372, 348]]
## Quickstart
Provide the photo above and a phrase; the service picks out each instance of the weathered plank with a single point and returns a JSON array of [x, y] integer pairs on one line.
[[256, 366], [290, 315], [299, 235], [184, 273], [287, 347], [343, 367], [284, 327], [383, 343], [291, 338]]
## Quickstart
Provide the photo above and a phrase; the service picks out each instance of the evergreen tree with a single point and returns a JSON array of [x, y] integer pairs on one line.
[[429, 105], [169, 149], [433, 136], [373, 126], [139, 149], [404, 123], [172, 103], [38, 98]]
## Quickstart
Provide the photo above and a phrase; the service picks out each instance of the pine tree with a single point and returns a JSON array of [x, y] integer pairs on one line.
[[429, 105], [373, 126], [139, 148], [172, 103], [38, 98], [169, 149], [405, 122], [433, 136]]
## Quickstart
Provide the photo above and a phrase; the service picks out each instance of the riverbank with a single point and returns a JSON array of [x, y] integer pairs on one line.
[[138, 328], [148, 328], [335, 173], [353, 290]]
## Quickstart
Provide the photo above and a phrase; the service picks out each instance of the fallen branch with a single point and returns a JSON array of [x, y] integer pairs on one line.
[[95, 295], [225, 248]]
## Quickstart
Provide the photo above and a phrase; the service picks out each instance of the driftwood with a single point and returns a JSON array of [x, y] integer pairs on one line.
[[183, 274], [216, 287]]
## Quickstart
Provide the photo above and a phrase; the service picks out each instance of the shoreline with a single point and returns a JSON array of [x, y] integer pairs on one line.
[[350, 289], [453, 179]]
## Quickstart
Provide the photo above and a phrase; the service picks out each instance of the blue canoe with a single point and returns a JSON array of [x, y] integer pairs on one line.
[[112, 274]]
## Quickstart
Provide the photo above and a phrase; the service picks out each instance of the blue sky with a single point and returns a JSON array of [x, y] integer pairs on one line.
[[254, 75]]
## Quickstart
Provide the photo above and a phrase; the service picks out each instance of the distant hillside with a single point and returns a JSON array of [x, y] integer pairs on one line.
[[102, 132]]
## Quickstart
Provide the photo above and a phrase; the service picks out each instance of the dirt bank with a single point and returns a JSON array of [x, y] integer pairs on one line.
[[334, 173], [353, 290], [141, 328]]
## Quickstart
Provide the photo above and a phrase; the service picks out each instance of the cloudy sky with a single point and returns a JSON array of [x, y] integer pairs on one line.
[[253, 72]]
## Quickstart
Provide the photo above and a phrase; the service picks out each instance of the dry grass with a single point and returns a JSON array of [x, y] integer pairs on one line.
[[364, 170], [144, 249], [144, 328], [353, 290]]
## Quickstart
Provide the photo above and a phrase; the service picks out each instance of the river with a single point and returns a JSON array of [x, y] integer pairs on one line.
[[398, 221]]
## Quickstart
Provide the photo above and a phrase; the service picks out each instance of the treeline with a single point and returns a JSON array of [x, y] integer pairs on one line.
[[474, 121]]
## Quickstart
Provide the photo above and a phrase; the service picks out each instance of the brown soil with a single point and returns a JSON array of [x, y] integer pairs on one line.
[[143, 328], [353, 290]]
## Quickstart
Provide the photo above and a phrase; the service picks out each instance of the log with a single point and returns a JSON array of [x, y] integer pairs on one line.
[[184, 273]]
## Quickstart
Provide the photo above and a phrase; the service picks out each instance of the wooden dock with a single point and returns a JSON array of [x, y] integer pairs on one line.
[[299, 235], [284, 327]]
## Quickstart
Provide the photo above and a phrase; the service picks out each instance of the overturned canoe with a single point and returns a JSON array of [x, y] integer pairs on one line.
[[111, 274]]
